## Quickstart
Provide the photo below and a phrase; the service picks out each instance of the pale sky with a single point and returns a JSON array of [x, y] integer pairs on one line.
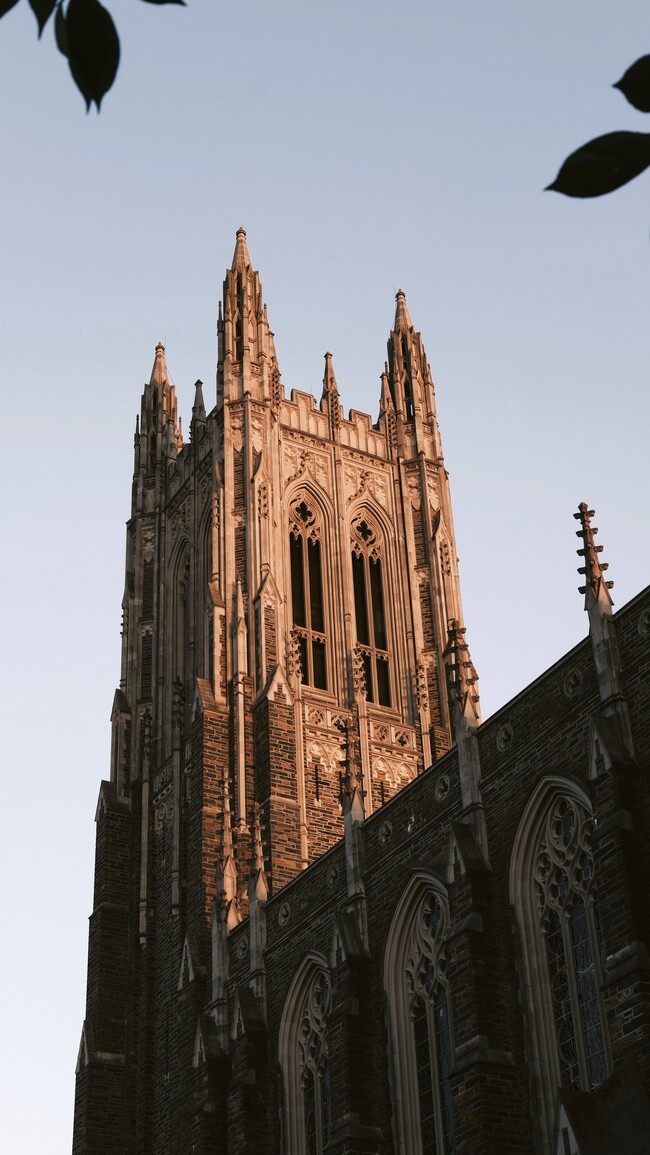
[[365, 146]]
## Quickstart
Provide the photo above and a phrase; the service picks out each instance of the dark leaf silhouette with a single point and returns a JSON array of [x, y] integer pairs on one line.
[[93, 48], [60, 32], [42, 10], [635, 84], [165, 2], [603, 164], [6, 5]]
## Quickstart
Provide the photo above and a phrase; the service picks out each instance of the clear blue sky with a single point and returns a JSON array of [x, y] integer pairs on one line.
[[365, 146]]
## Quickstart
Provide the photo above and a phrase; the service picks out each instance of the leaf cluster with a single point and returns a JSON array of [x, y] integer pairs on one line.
[[86, 35], [609, 161]]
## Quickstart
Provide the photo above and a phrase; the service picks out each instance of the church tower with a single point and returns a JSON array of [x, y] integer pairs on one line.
[[291, 602]]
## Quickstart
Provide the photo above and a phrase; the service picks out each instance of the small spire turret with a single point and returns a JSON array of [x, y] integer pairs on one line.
[[403, 322], [602, 630], [241, 257], [199, 416], [595, 589], [330, 401], [226, 869]]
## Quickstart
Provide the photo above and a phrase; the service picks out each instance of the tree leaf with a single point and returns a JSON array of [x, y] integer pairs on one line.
[[165, 2], [635, 84], [42, 10], [603, 164], [7, 5], [93, 48], [60, 32]]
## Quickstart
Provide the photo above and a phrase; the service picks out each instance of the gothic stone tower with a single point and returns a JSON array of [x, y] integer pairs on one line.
[[291, 589]]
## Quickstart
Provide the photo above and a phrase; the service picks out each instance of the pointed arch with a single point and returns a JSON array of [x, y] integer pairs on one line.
[[420, 1028], [551, 890], [309, 518], [303, 1056], [370, 541]]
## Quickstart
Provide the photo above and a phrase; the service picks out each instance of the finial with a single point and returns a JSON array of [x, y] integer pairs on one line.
[[258, 874], [226, 845], [461, 674], [159, 371], [595, 586], [136, 436], [402, 317], [198, 408], [330, 398], [241, 259]]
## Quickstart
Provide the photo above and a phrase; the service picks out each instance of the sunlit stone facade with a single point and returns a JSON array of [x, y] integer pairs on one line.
[[335, 913]]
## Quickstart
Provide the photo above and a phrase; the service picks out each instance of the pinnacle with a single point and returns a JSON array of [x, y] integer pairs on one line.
[[241, 258], [403, 320], [159, 371], [593, 569]]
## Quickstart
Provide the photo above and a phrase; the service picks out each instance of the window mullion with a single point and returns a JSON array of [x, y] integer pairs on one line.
[[371, 625], [318, 1109], [575, 1001], [435, 1073], [309, 678]]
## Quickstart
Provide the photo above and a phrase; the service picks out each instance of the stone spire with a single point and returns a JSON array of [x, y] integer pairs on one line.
[[403, 322], [258, 893], [411, 386], [247, 360], [598, 605], [159, 371], [352, 805], [199, 417], [241, 257], [330, 401], [595, 589], [226, 870], [466, 718]]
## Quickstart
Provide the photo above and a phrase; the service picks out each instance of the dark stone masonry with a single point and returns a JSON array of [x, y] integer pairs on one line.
[[335, 913]]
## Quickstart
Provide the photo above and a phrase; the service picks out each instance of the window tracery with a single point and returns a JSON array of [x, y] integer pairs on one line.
[[552, 890], [304, 1059], [418, 998], [371, 625], [307, 595], [563, 874], [314, 1064]]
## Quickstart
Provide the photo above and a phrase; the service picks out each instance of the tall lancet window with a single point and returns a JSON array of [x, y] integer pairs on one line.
[[304, 1060], [421, 1033], [551, 884], [370, 611], [314, 1065], [305, 550]]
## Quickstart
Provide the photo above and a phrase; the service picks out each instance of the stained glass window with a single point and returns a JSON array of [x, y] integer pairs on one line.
[[307, 592], [370, 616], [563, 887], [431, 1029], [314, 1065]]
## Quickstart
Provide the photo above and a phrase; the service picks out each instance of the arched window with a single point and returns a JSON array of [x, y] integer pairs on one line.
[[305, 549], [304, 1059], [551, 886], [421, 1034], [369, 605]]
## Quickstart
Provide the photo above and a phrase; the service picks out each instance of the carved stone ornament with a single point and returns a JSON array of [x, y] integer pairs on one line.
[[312, 1032], [572, 682], [441, 788], [564, 864], [644, 624], [242, 947], [505, 737], [333, 876], [385, 832], [426, 961], [358, 482], [284, 914]]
